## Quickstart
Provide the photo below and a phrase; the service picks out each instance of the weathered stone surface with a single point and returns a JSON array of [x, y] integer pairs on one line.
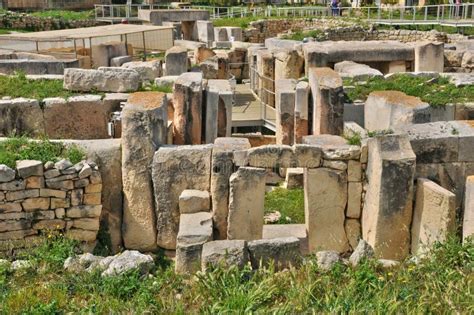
[[10, 207], [194, 230], [356, 71], [202, 54], [301, 111], [187, 102], [6, 174], [353, 231], [22, 194], [176, 61], [113, 79], [16, 235], [129, 260], [434, 216], [429, 57], [289, 64], [388, 263], [307, 155], [222, 169], [14, 185], [147, 70], [21, 116], [387, 210], [92, 199], [361, 252], [354, 204], [392, 110], [27, 168], [34, 182], [49, 225], [81, 262], [14, 225], [333, 147], [328, 101], [144, 121], [324, 209], [192, 201], [269, 156], [281, 252], [294, 178], [176, 168], [60, 203], [266, 77], [224, 253], [336, 165], [354, 171], [82, 235], [84, 211], [246, 204], [327, 259], [468, 220], [285, 110]]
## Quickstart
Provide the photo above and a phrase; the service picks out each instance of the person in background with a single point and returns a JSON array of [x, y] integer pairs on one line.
[[334, 7]]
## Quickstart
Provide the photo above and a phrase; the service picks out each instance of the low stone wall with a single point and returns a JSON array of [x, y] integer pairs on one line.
[[15, 20], [37, 198], [78, 117]]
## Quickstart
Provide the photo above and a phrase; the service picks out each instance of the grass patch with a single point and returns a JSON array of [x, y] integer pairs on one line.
[[19, 86], [441, 283], [300, 35], [65, 14], [438, 92], [289, 202], [354, 139], [158, 88], [22, 148]]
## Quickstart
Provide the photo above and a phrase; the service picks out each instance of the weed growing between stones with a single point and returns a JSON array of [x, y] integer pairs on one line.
[[442, 282]]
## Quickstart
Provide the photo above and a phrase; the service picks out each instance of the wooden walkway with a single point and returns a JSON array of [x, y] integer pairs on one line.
[[248, 110]]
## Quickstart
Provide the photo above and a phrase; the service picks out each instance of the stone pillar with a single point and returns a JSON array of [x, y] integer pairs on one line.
[[219, 102], [205, 30], [285, 111], [176, 61], [187, 101], [468, 221], [289, 64], [221, 170], [387, 210], [194, 230], [301, 111], [266, 77], [429, 57], [174, 169], [144, 121], [246, 203], [324, 209], [434, 216], [393, 110], [220, 34], [328, 101]]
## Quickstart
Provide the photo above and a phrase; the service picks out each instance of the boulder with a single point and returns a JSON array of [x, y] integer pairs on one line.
[[224, 253], [361, 252], [280, 252], [127, 261], [327, 259], [6, 174]]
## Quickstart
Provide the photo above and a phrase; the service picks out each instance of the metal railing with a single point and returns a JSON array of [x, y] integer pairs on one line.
[[461, 14]]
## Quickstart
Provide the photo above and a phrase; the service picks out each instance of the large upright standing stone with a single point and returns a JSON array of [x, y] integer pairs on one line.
[[429, 57], [468, 221], [434, 216], [222, 168], [144, 119], [246, 203], [325, 199], [176, 61], [174, 169], [285, 111], [328, 101], [289, 64], [219, 101], [266, 76], [387, 211], [301, 111], [187, 101]]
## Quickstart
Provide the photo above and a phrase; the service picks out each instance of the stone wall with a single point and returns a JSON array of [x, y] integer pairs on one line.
[[36, 199], [15, 20]]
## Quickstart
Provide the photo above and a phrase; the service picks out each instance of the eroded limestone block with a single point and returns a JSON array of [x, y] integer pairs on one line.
[[387, 211], [392, 110], [281, 252], [269, 156], [224, 253], [21, 116], [106, 79], [301, 111], [356, 71], [219, 102], [147, 70], [289, 64], [429, 57], [194, 230], [468, 221], [142, 119], [434, 216], [353, 231], [246, 204], [192, 201], [285, 111], [324, 209], [27, 168], [174, 169], [333, 147], [176, 61]]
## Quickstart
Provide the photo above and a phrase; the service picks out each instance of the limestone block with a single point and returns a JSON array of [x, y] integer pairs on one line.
[[468, 60], [219, 101], [22, 194], [209, 68], [91, 224], [246, 204], [387, 211], [10, 207], [468, 220], [453, 58], [356, 71], [205, 30], [307, 155], [294, 178], [55, 224], [144, 120], [84, 211], [6, 174], [327, 259], [353, 231], [119, 61], [324, 209], [104, 52], [174, 169], [270, 156], [14, 185], [336, 165], [33, 182], [354, 205], [361, 252], [16, 235], [429, 57], [194, 230], [27, 168], [328, 101], [187, 101], [234, 32], [220, 34], [147, 70], [81, 235], [289, 64], [434, 216], [397, 66], [333, 147], [285, 111], [392, 110], [354, 171], [281, 252], [465, 131], [21, 116], [113, 79], [14, 225], [192, 201], [46, 192], [176, 61], [221, 170], [202, 54], [301, 111], [224, 253], [60, 203]]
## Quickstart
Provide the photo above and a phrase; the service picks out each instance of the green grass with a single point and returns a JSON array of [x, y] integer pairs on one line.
[[289, 202], [19, 86], [65, 14], [300, 35], [22, 148], [354, 139], [441, 283], [158, 88], [437, 92]]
